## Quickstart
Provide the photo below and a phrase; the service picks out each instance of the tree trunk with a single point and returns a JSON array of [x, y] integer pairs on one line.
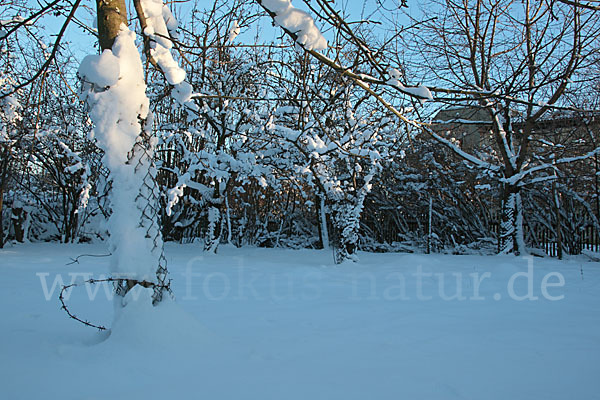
[[228, 216], [18, 218], [347, 223], [511, 227], [136, 242], [429, 225], [323, 231], [213, 233], [559, 246], [3, 180], [111, 14]]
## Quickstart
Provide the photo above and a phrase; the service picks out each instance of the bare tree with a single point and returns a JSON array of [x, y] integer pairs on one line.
[[514, 60]]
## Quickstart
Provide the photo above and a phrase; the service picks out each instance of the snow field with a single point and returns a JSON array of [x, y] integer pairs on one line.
[[285, 324]]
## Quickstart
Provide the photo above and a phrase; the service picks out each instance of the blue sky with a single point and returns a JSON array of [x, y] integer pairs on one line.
[[83, 42]]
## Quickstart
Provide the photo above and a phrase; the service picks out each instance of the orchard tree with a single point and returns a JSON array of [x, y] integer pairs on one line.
[[114, 89], [330, 134], [515, 61]]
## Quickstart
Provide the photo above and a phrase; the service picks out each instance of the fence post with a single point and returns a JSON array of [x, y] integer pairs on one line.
[[429, 227], [558, 221]]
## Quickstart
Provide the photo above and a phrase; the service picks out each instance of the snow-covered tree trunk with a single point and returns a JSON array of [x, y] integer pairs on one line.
[[9, 116], [347, 222], [213, 233], [512, 238], [346, 214], [215, 220], [114, 89], [347, 225]]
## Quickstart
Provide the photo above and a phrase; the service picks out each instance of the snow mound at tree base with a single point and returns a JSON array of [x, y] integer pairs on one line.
[[165, 327]]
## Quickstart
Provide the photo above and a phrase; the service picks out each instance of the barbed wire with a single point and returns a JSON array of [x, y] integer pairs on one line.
[[76, 259], [117, 281], [147, 201]]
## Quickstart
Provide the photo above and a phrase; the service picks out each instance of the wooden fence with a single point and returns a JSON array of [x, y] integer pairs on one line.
[[544, 238]]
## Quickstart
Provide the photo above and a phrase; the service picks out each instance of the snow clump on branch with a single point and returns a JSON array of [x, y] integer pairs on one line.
[[161, 29], [298, 22]]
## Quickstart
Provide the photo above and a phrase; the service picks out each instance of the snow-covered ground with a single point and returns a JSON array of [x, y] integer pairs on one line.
[[283, 324]]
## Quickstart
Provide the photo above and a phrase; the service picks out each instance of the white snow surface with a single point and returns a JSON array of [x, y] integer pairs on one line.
[[284, 324], [100, 69], [297, 21]]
